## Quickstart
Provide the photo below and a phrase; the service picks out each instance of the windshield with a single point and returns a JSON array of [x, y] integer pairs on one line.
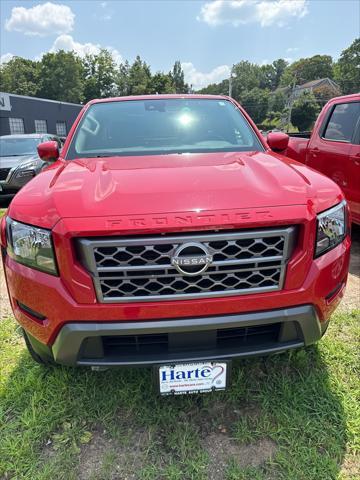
[[145, 127], [14, 147]]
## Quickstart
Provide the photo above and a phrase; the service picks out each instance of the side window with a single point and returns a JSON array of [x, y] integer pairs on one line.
[[342, 122]]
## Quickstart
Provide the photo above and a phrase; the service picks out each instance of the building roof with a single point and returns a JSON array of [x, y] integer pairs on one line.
[[315, 83], [41, 99]]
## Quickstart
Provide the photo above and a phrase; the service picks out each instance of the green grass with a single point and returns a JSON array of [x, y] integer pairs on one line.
[[74, 423]]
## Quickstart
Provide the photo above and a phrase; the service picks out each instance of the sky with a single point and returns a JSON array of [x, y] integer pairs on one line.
[[208, 37]]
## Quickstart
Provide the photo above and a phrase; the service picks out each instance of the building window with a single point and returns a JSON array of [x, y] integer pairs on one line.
[[61, 129], [40, 126], [16, 125]]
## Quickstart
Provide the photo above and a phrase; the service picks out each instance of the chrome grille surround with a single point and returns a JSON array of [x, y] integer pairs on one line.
[[135, 269]]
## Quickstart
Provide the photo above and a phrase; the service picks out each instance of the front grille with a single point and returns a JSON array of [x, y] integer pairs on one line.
[[4, 172], [164, 343], [141, 268]]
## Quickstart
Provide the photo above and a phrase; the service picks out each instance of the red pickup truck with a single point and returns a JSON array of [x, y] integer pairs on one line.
[[169, 233], [334, 147]]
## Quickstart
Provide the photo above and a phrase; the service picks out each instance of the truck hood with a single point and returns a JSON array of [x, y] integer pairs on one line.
[[98, 187]]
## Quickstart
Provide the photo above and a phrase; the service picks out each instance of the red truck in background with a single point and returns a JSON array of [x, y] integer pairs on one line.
[[333, 148]]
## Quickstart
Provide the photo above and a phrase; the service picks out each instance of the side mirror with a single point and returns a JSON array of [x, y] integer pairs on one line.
[[278, 141], [48, 151]]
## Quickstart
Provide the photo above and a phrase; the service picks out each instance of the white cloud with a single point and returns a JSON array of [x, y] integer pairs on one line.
[[45, 19], [241, 12], [6, 57], [103, 4], [67, 43], [292, 49], [199, 79]]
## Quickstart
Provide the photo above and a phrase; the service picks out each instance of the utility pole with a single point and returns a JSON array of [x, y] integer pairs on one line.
[[230, 81], [291, 102]]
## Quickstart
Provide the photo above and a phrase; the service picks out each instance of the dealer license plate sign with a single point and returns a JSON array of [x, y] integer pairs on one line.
[[199, 377]]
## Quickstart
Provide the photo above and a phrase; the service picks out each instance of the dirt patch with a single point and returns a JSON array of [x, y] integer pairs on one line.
[[351, 466], [221, 417], [221, 449], [106, 457]]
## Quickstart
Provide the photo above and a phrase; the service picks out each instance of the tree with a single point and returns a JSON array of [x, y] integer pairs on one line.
[[347, 69], [279, 66], [61, 77], [123, 78], [221, 88], [246, 77], [162, 83], [100, 75], [178, 77], [139, 77], [304, 111], [20, 76], [267, 77], [277, 101], [256, 102], [307, 69]]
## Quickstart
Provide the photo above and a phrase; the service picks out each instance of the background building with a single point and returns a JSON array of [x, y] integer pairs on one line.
[[20, 114]]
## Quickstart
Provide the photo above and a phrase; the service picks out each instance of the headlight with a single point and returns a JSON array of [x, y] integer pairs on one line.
[[31, 246], [26, 169], [27, 165], [331, 228]]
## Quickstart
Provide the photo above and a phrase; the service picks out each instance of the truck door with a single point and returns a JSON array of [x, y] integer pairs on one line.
[[354, 187], [331, 150]]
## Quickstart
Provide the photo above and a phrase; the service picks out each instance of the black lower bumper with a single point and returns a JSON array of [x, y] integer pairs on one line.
[[142, 343]]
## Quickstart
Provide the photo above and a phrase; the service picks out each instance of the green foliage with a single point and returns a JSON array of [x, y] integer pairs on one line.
[[272, 121], [221, 88], [347, 69], [20, 76], [62, 77], [246, 77], [277, 101], [177, 75], [255, 102], [280, 66], [304, 111], [162, 83], [139, 77], [123, 78], [307, 69], [100, 75]]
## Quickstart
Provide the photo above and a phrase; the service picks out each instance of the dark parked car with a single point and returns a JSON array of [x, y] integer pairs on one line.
[[19, 160]]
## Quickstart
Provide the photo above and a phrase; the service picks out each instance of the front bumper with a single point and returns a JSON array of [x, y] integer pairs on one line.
[[184, 340]]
